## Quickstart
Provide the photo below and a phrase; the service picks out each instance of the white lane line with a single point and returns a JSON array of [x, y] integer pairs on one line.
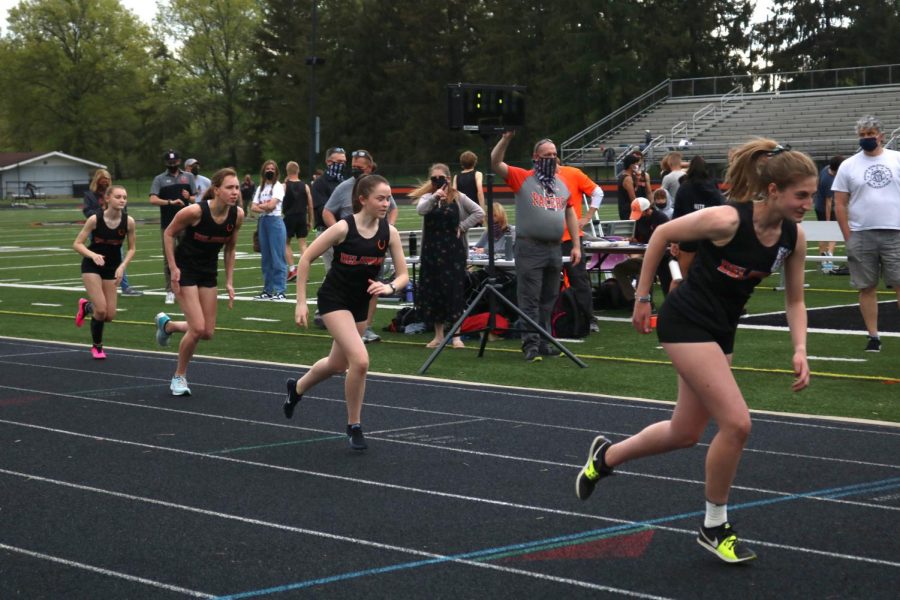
[[45, 304], [331, 536], [100, 570], [478, 453], [261, 319], [836, 358]]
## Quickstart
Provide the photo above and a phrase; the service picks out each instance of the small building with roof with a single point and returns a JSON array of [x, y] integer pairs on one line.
[[42, 174]]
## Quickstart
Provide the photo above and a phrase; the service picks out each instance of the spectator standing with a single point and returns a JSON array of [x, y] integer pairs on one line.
[[448, 214], [103, 264], [171, 190], [323, 187], [469, 181], [671, 181], [93, 204], [267, 203], [825, 206], [867, 197], [544, 208], [633, 182], [340, 206], [697, 190], [298, 214], [579, 185], [248, 189], [208, 226], [201, 182]]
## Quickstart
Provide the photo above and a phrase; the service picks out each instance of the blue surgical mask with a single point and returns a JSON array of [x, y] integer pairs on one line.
[[869, 144]]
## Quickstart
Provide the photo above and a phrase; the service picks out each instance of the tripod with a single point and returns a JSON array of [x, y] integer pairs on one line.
[[493, 291]]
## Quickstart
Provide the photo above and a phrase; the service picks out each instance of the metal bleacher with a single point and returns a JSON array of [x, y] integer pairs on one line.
[[812, 111]]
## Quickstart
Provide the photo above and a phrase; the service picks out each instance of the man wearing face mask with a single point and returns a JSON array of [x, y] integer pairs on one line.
[[340, 205], [171, 191], [323, 187], [200, 182], [867, 202], [544, 207]]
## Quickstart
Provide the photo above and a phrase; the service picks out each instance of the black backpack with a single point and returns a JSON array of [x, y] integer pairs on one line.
[[566, 321], [609, 295]]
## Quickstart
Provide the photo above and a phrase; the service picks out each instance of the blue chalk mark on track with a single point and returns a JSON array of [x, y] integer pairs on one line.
[[829, 493]]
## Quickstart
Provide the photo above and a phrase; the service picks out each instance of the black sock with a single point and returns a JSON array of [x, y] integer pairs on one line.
[[97, 331]]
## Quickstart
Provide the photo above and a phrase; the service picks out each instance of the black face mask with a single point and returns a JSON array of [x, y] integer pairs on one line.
[[270, 175], [195, 170], [172, 169], [356, 172], [438, 182]]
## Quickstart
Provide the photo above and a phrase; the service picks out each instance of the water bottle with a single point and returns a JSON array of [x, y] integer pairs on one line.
[[409, 291], [413, 246], [675, 270], [508, 247]]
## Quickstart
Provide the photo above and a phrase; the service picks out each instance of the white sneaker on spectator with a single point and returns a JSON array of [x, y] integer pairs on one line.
[[370, 336]]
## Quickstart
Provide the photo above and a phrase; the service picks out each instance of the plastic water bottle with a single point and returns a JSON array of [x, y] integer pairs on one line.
[[413, 246], [508, 247], [675, 270], [409, 292]]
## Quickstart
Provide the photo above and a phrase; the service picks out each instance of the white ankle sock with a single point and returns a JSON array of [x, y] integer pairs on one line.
[[716, 514]]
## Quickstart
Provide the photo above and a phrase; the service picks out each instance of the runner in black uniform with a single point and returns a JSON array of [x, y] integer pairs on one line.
[[208, 226], [740, 244], [103, 265], [360, 242]]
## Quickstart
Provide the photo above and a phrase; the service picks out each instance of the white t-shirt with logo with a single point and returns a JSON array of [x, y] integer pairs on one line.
[[873, 183], [266, 192]]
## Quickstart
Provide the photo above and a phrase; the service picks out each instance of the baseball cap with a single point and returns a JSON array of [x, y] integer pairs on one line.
[[171, 155], [190, 161], [638, 206]]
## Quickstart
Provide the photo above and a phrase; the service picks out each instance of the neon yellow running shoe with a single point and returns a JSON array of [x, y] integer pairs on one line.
[[724, 543], [593, 469]]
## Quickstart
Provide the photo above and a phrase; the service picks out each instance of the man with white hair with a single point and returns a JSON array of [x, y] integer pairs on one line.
[[867, 202]]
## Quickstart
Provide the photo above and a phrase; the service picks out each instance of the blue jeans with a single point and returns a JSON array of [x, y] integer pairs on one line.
[[272, 238]]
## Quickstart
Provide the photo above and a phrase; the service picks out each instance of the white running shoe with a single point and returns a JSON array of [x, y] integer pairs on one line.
[[179, 386]]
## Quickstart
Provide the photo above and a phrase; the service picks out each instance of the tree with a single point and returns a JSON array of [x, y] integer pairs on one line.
[[211, 71], [73, 71]]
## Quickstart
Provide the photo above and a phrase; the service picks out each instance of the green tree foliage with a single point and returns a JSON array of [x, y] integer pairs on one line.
[[828, 34], [74, 78], [209, 64]]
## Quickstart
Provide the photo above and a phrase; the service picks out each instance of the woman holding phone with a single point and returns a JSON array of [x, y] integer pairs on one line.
[[448, 215]]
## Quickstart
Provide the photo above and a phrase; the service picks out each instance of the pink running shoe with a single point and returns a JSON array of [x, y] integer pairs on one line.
[[82, 313], [98, 353]]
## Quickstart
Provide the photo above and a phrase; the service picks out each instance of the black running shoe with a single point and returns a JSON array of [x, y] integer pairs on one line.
[[532, 354], [594, 469], [356, 438], [873, 345], [724, 543], [292, 398]]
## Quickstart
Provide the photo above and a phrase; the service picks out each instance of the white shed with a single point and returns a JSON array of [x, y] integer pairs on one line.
[[41, 174]]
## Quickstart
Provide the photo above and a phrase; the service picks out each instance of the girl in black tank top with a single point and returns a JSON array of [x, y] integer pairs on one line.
[[199, 248], [207, 227], [740, 244], [360, 242], [103, 264]]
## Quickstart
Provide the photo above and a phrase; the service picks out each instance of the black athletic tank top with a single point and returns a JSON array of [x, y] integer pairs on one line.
[[295, 201], [357, 259], [465, 183], [201, 243], [107, 241], [721, 279]]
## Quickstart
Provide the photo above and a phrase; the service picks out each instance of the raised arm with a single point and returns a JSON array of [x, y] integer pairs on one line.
[[499, 153]]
